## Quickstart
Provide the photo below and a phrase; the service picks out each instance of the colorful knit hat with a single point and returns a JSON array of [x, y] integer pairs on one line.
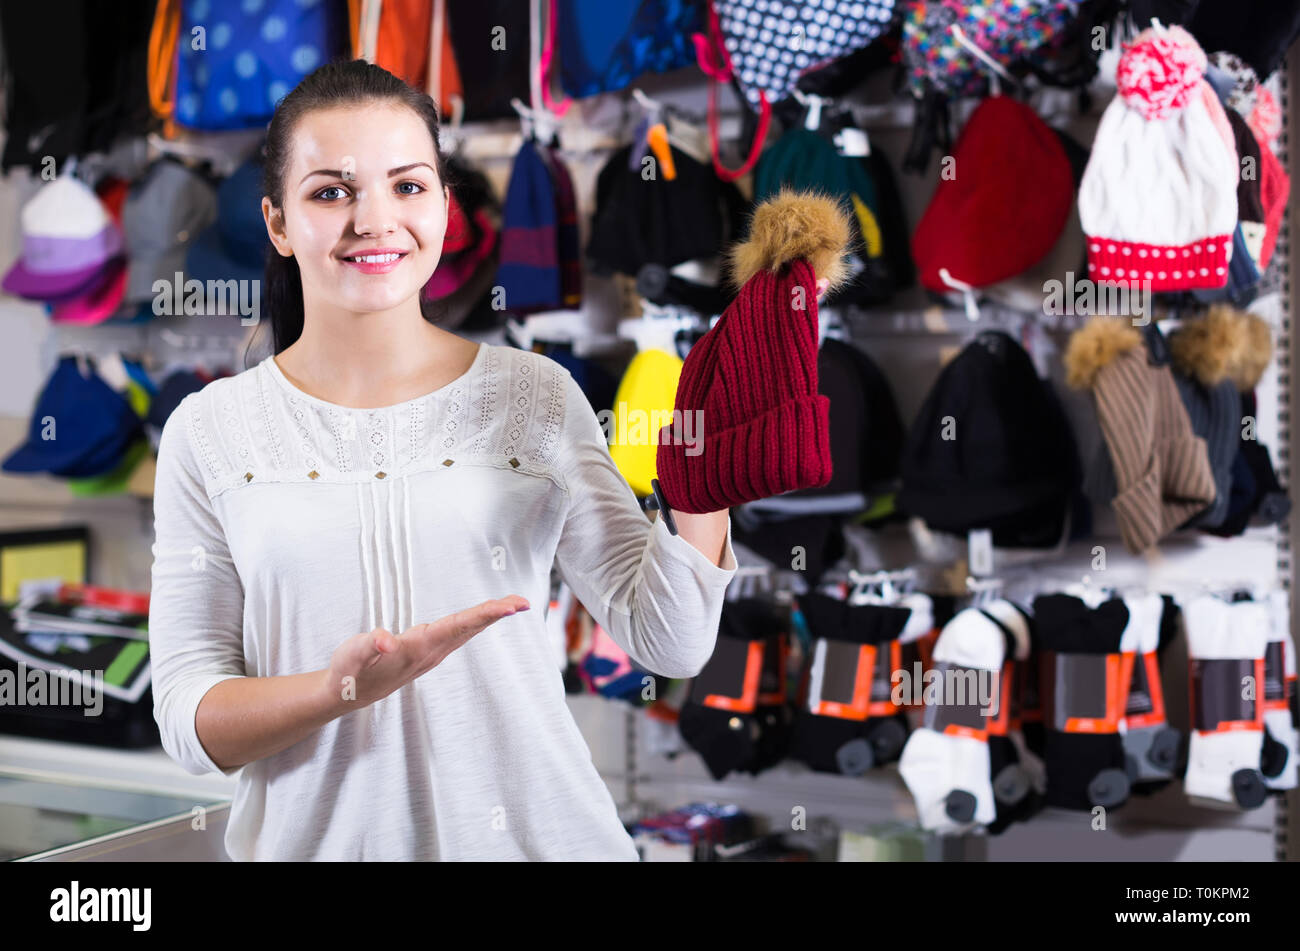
[[753, 377], [1007, 31], [1158, 201]]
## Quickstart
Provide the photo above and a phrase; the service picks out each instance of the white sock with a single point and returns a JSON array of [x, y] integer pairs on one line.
[[1141, 637], [1278, 720], [921, 621], [935, 764], [1219, 630]]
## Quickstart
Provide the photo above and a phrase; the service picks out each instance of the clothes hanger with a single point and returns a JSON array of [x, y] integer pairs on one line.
[[659, 325], [541, 126], [1087, 591], [813, 103], [880, 587], [982, 591], [997, 73], [221, 152]]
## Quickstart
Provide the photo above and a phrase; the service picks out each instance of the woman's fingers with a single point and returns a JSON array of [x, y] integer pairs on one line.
[[446, 634]]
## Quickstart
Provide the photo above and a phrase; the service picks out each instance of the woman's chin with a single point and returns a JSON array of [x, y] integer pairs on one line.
[[378, 299]]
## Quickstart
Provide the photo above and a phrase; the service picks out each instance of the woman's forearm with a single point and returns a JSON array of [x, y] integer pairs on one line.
[[250, 718], [706, 531]]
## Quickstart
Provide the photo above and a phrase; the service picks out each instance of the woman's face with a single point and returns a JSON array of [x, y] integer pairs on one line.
[[361, 182]]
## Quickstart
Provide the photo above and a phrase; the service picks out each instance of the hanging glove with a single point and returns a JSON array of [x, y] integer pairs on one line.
[[748, 420]]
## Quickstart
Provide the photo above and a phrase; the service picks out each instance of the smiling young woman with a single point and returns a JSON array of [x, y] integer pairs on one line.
[[350, 536]]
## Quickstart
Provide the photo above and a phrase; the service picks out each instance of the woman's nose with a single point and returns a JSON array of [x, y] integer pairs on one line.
[[375, 214]]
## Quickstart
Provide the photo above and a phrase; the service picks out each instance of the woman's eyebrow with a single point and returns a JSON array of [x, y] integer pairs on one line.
[[335, 173]]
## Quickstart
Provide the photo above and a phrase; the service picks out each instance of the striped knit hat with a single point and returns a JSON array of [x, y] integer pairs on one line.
[[753, 377], [529, 271], [1162, 468]]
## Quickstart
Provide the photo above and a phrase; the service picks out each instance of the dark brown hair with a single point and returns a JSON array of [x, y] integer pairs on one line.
[[334, 84]]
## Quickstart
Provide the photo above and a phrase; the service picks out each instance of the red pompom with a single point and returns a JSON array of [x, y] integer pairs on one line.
[[1160, 70]]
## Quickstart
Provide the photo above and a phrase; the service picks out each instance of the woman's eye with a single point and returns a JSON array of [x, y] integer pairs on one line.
[[324, 193], [415, 185]]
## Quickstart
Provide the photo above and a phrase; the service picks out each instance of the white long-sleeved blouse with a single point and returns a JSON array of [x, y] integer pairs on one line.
[[285, 524]]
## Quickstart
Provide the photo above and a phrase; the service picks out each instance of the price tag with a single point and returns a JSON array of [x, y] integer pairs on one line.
[[851, 141], [980, 548]]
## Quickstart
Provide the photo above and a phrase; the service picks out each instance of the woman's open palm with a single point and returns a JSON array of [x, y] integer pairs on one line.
[[371, 665]]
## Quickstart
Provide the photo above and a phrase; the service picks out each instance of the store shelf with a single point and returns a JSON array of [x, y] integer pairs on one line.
[[147, 770]]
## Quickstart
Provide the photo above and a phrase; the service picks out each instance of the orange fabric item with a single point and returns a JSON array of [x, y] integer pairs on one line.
[[449, 74], [403, 45], [163, 49], [657, 137], [354, 28]]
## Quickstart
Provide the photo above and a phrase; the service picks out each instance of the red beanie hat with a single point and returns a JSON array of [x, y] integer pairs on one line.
[[751, 382], [1275, 190], [1005, 205]]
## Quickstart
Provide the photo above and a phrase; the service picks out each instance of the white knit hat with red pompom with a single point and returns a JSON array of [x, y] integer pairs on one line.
[[1158, 200]]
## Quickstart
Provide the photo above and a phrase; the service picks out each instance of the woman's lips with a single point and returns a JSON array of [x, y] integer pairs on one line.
[[376, 262]]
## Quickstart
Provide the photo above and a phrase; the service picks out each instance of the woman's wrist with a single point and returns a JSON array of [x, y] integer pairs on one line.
[[706, 532]]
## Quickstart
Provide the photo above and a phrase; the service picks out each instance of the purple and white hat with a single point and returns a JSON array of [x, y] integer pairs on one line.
[[68, 237]]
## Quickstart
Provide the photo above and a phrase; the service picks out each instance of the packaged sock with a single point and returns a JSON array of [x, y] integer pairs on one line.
[[1084, 695], [1150, 744], [916, 645], [1027, 713], [720, 719], [946, 763], [1226, 643], [774, 712], [1017, 790], [846, 720], [1280, 764]]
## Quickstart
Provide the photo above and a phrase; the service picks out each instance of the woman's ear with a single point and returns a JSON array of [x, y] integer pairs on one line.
[[274, 218]]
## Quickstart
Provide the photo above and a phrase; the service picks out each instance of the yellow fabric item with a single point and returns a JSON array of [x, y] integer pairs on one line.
[[870, 228], [138, 397], [644, 403]]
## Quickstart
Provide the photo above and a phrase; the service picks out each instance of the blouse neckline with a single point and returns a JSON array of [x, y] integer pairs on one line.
[[278, 375]]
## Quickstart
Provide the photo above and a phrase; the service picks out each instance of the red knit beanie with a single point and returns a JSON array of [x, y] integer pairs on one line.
[[1005, 205], [762, 427]]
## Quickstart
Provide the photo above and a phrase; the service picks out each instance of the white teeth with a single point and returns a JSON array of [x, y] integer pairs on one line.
[[376, 258]]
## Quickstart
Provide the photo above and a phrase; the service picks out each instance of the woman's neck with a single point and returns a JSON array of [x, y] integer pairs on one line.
[[373, 359]]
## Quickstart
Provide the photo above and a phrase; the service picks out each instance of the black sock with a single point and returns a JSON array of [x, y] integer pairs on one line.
[[1084, 769]]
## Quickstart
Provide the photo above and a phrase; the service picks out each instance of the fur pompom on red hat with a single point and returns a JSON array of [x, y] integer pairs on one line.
[[752, 422]]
